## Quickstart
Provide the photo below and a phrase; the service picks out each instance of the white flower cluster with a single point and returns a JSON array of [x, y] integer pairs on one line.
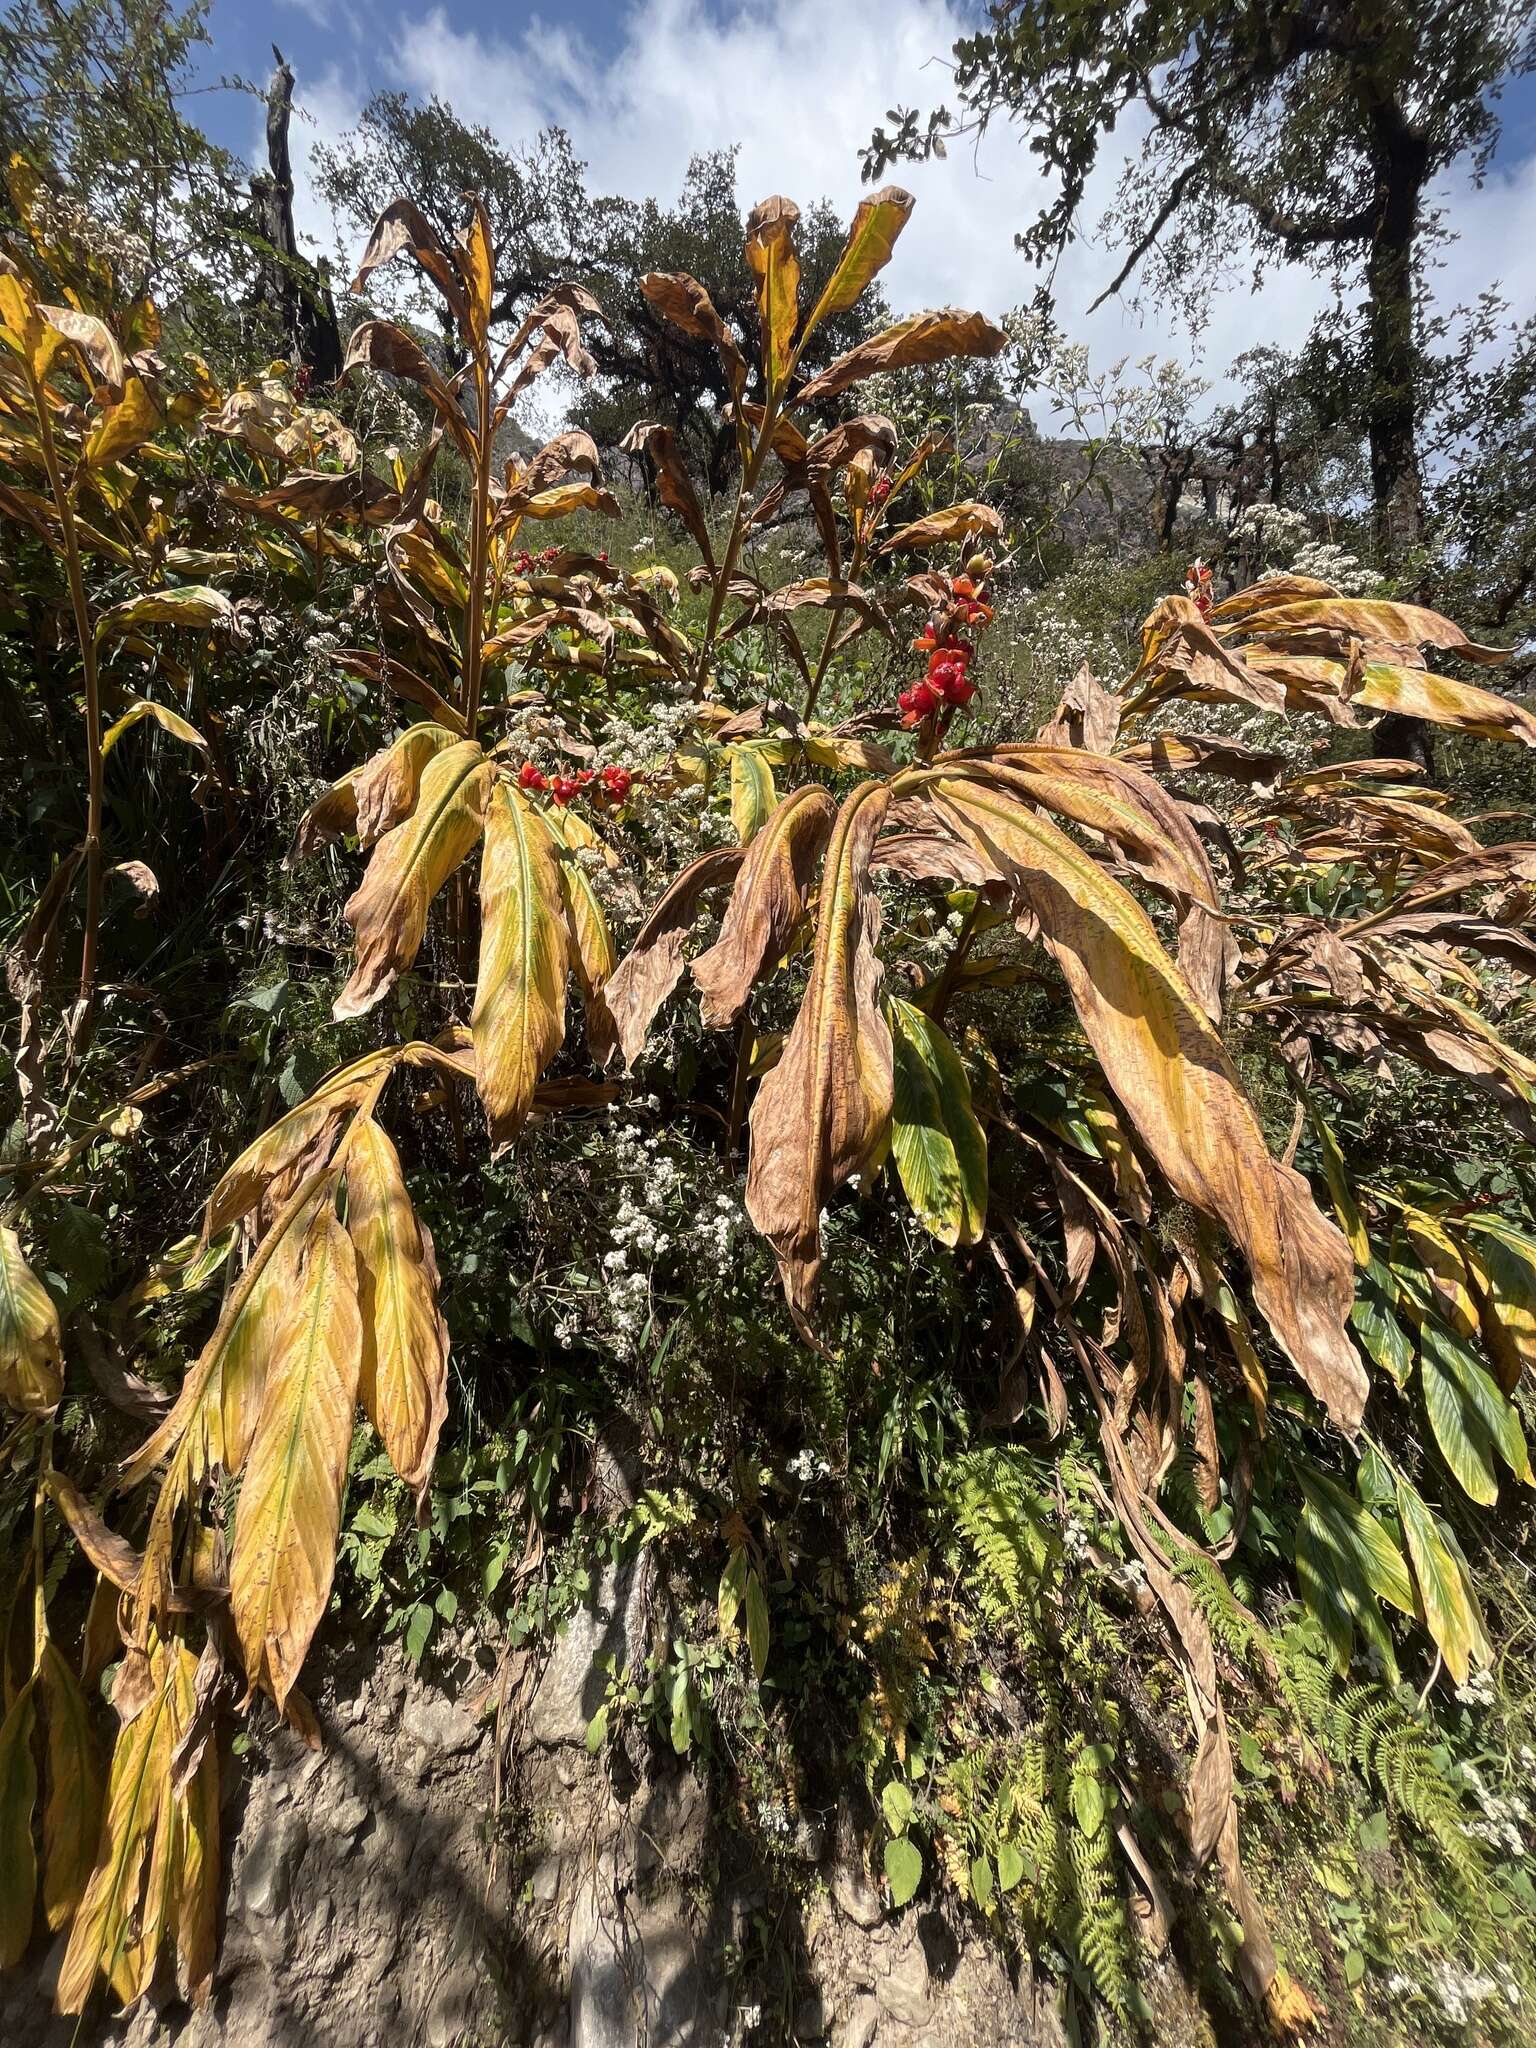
[[1504, 1818], [1478, 1690], [1459, 1993], [807, 1466], [1336, 565]]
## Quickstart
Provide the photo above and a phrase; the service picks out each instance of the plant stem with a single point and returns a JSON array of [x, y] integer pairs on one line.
[[94, 765], [480, 513], [814, 692], [733, 543]]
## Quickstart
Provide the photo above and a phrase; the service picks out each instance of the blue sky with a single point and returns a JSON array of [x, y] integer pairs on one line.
[[798, 84]]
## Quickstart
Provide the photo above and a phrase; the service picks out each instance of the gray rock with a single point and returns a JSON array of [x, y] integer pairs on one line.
[[575, 1679], [855, 1895], [270, 1861], [439, 1725], [903, 1990], [858, 2029]]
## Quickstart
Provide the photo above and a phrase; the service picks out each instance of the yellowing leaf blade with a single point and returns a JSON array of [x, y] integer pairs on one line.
[[519, 1016], [404, 1377], [290, 1500]]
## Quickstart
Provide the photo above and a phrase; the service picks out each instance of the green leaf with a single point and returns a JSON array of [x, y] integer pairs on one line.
[[418, 1630], [1010, 1866], [1460, 1430], [757, 1625], [753, 795], [903, 1868], [1446, 1613], [18, 1857], [896, 1800], [981, 1881], [1354, 1528], [1385, 1340], [939, 1147], [733, 1584], [597, 1731]]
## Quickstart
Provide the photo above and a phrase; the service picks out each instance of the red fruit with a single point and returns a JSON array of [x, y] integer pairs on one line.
[[943, 675], [880, 490], [925, 699], [617, 781], [528, 777], [563, 788], [962, 586], [583, 776], [961, 691], [523, 563]]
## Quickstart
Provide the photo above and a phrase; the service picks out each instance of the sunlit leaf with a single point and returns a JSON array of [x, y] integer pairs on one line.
[[31, 1361], [939, 1147], [519, 1016]]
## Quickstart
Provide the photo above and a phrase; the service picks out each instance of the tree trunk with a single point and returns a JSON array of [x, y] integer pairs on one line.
[[300, 292], [1393, 409]]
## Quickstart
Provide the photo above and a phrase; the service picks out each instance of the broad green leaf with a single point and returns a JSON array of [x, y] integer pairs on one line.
[[1455, 1420], [939, 1147], [753, 795], [1446, 1614], [1010, 1866], [903, 1868], [872, 236], [1372, 1320], [981, 1881], [896, 1803], [1355, 1528], [757, 1625]]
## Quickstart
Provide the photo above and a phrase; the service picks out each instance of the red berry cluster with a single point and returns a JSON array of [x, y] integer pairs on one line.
[[879, 490], [1197, 584], [614, 783], [948, 681], [525, 563]]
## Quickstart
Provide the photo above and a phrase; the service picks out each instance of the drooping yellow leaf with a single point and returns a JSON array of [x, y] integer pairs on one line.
[[295, 1144], [188, 604], [1447, 1615], [954, 522], [823, 1113], [924, 338], [872, 237], [1501, 1261], [1171, 1073], [31, 1360], [477, 267], [374, 798], [1362, 618], [18, 1798], [766, 903], [136, 1789], [123, 425], [198, 1880], [771, 256], [593, 954], [290, 1499], [169, 721], [388, 910], [94, 339], [404, 1377], [1415, 693], [519, 1015], [72, 1808]]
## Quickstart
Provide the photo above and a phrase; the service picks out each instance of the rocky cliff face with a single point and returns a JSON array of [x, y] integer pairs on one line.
[[440, 1876]]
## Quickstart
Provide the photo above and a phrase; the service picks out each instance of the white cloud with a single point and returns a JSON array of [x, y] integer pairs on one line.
[[797, 86]]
